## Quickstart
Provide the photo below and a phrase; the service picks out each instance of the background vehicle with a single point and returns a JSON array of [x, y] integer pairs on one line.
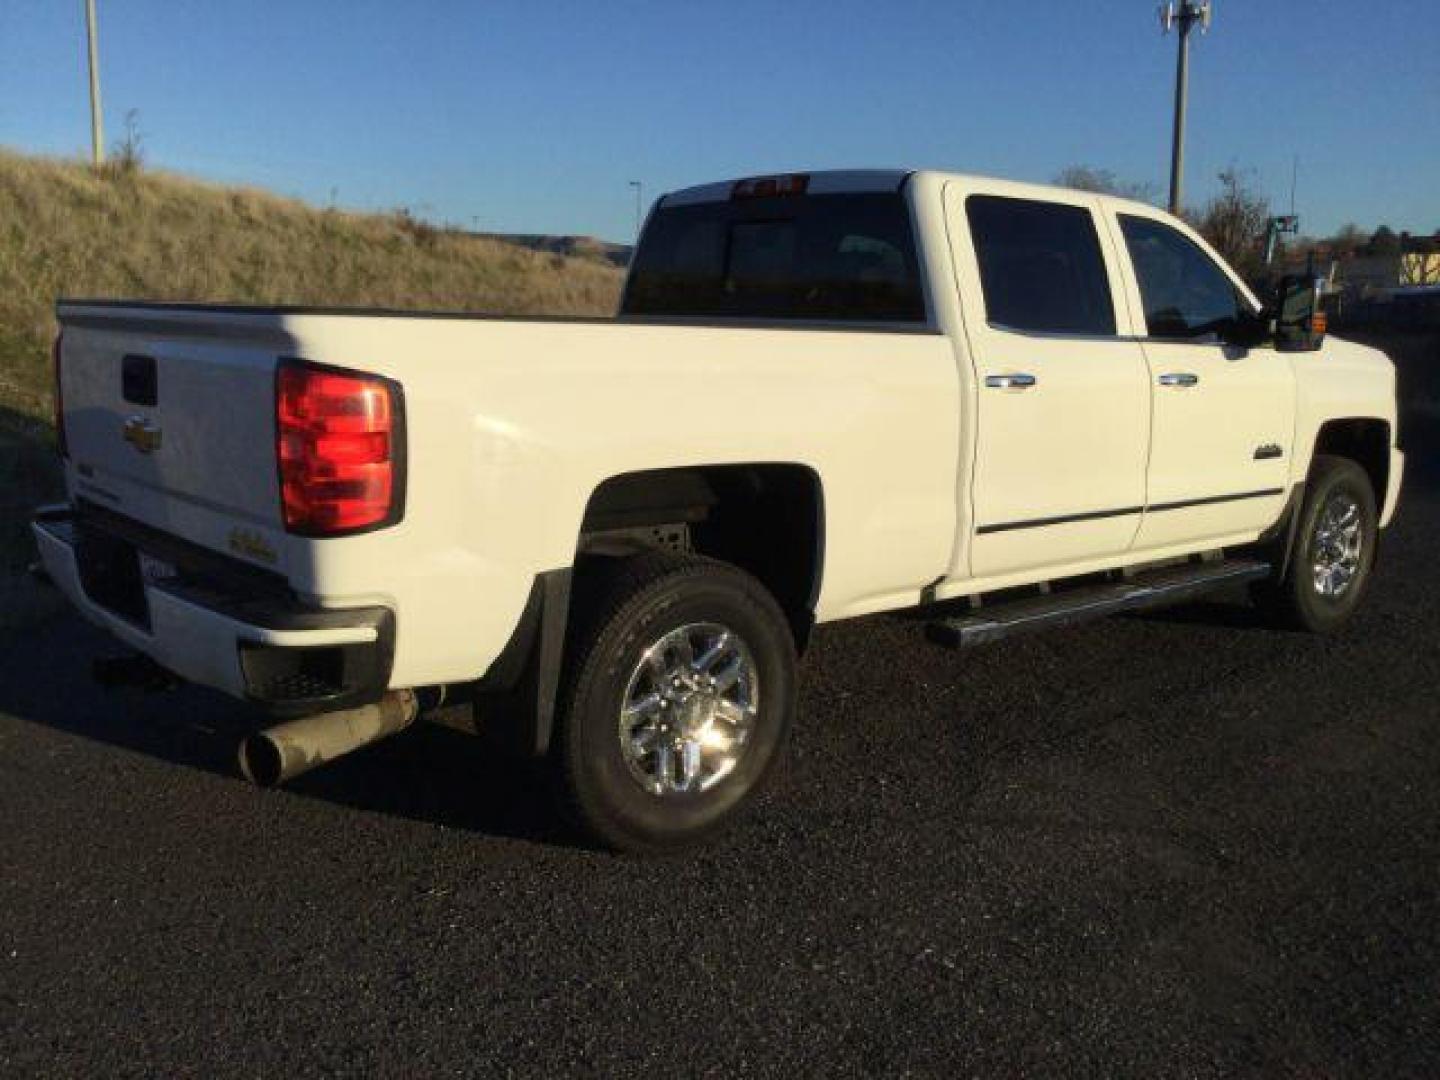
[[827, 395]]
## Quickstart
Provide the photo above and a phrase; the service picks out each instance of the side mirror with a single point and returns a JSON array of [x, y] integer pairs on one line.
[[1248, 331], [1299, 323]]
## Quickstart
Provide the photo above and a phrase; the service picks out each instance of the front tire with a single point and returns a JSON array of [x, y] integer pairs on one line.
[[680, 704], [1334, 552]]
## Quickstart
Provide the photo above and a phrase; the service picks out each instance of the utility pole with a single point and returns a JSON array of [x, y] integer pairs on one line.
[[97, 130], [1182, 15], [638, 187]]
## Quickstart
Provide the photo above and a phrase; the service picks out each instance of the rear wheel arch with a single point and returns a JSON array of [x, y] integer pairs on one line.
[[767, 518]]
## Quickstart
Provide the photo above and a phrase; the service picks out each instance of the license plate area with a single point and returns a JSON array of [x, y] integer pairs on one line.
[[111, 576]]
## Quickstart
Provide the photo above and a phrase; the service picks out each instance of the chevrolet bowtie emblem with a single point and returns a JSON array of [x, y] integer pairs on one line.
[[141, 434]]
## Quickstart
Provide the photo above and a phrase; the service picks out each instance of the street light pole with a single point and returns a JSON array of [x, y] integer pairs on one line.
[[97, 132], [637, 186], [1183, 18]]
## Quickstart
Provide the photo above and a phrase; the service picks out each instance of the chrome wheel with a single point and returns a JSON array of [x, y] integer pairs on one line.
[[1336, 545], [689, 709]]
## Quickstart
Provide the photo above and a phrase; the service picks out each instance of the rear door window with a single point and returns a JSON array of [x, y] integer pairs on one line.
[[1041, 268]]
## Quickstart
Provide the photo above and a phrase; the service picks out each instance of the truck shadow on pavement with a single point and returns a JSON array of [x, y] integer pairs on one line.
[[429, 773]]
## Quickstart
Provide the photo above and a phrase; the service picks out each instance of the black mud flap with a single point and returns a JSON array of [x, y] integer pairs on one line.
[[515, 702]]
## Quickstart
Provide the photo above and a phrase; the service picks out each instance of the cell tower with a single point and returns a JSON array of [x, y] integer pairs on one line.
[[1182, 16]]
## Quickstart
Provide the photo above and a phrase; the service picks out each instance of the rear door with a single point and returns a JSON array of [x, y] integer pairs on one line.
[[1063, 410], [1223, 415]]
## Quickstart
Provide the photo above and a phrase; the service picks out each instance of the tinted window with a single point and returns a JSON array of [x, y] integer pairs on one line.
[[798, 257], [1040, 266], [1185, 294]]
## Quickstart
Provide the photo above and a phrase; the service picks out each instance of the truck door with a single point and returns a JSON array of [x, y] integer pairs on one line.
[[1063, 401], [1223, 415]]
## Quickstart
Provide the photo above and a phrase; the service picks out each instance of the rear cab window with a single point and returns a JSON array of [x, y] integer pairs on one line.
[[816, 258], [1041, 267]]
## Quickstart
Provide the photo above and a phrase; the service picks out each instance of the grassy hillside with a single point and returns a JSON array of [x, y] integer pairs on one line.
[[67, 231]]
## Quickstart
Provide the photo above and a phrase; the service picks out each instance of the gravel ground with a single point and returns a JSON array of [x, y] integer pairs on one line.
[[1172, 844]]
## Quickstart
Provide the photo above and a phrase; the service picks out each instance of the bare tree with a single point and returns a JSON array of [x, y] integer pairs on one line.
[[1105, 182], [1385, 242], [1235, 220], [1350, 238], [127, 156]]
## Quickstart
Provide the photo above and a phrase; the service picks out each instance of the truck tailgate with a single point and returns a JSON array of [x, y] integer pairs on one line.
[[169, 418]]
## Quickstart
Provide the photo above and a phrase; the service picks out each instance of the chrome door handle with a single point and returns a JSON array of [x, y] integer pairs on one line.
[[1178, 378], [1017, 381]]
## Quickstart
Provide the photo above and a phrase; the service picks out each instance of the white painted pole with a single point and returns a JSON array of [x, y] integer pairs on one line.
[[97, 129]]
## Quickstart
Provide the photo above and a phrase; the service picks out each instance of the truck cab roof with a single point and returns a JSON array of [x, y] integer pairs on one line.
[[863, 181]]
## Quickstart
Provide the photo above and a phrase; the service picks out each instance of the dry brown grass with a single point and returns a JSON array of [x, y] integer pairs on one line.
[[66, 231]]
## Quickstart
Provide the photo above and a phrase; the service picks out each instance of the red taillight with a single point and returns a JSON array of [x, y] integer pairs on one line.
[[59, 399], [340, 441]]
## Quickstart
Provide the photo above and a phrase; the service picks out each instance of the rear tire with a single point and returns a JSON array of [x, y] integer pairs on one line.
[[679, 702], [1333, 554]]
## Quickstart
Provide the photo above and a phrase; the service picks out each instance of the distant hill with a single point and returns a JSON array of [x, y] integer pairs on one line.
[[580, 247], [66, 230]]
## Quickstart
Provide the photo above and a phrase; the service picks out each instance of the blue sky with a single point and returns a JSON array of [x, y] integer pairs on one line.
[[534, 116]]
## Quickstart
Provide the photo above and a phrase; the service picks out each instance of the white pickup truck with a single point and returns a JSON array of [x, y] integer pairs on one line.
[[826, 395]]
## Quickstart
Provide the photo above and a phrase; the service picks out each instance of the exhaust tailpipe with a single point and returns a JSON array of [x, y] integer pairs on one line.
[[286, 750]]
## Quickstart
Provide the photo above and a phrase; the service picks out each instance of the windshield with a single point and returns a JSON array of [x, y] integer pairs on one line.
[[816, 257]]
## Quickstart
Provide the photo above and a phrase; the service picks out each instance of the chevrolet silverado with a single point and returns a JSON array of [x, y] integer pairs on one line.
[[826, 395]]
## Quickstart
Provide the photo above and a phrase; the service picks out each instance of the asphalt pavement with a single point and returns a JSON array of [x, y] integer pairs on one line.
[[1177, 844]]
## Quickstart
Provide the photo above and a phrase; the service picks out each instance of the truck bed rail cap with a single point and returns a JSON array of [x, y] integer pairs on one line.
[[832, 182]]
